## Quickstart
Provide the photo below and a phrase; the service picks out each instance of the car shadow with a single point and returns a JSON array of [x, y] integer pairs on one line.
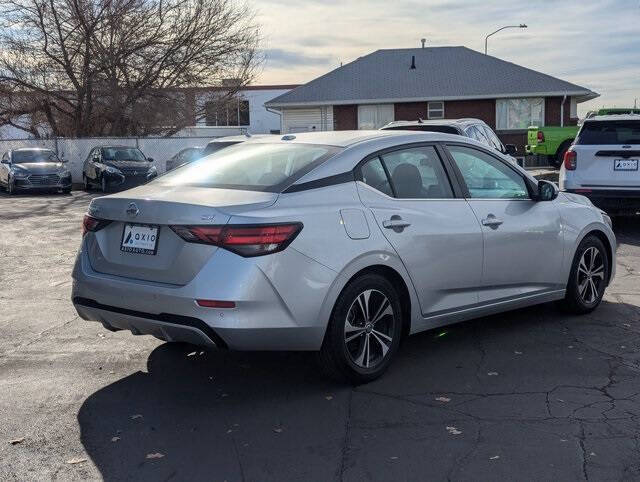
[[199, 414]]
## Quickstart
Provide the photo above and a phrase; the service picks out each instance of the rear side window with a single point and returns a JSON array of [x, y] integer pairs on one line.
[[415, 173], [251, 167], [609, 132]]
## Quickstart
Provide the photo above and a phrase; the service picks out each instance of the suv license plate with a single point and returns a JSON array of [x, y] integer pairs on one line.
[[139, 239], [625, 165]]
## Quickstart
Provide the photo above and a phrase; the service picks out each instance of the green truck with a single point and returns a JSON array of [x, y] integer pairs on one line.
[[553, 141]]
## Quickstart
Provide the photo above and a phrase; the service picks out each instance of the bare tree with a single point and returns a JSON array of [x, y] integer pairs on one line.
[[120, 67]]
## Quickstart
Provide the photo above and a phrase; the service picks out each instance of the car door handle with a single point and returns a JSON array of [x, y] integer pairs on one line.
[[395, 223], [492, 221]]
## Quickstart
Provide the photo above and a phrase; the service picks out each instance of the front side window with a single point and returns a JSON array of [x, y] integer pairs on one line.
[[609, 133], [251, 167], [486, 177], [375, 116], [435, 110], [417, 173], [519, 113]]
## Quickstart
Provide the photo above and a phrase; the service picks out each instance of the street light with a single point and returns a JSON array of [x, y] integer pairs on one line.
[[522, 25]]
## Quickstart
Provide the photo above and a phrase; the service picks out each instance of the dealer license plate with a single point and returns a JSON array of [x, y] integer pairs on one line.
[[140, 239]]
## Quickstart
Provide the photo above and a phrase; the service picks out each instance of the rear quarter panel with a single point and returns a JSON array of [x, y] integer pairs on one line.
[[324, 238]]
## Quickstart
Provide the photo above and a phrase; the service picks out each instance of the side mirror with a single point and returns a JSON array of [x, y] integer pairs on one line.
[[63, 160], [510, 149], [547, 191], [150, 159]]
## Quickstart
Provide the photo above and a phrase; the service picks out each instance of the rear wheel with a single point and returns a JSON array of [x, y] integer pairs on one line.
[[559, 158], [588, 278], [364, 331]]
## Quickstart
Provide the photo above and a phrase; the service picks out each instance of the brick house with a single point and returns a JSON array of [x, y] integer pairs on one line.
[[431, 83]]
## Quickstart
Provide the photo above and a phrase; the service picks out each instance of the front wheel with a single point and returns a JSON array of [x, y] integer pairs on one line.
[[364, 331], [10, 187], [103, 185], [588, 278]]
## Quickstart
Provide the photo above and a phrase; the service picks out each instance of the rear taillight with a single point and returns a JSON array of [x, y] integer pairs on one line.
[[570, 160], [540, 137], [91, 224], [252, 240]]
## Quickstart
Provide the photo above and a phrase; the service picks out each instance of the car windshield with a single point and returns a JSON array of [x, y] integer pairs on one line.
[[216, 146], [609, 132], [35, 155], [251, 167], [122, 154]]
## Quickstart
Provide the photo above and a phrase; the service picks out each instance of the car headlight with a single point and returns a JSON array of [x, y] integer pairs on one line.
[[153, 171], [65, 173], [19, 173], [112, 170]]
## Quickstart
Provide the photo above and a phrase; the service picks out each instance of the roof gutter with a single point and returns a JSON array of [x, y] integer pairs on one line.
[[580, 95]]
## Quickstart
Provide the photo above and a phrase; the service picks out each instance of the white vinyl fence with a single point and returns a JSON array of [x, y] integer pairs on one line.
[[76, 150]]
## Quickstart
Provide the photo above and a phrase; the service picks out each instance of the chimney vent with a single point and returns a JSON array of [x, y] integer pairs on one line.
[[424, 41], [413, 62]]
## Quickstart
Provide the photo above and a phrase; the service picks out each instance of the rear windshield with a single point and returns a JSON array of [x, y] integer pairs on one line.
[[39, 155], [424, 128], [251, 167], [609, 132], [122, 154]]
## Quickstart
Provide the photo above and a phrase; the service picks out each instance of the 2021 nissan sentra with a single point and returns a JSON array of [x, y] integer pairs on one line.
[[340, 242]]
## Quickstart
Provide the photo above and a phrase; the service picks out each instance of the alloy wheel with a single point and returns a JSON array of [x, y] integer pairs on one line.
[[369, 328], [590, 275]]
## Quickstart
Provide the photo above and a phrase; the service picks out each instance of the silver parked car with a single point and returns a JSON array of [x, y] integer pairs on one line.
[[339, 242]]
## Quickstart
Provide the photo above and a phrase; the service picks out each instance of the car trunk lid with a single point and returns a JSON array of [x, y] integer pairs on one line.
[[153, 209]]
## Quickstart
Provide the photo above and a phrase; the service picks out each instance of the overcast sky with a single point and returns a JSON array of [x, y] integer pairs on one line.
[[593, 43]]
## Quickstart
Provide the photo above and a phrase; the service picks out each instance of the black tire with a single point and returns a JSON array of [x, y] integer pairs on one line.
[[85, 182], [10, 187], [103, 185], [586, 288], [559, 158], [66, 190], [338, 357]]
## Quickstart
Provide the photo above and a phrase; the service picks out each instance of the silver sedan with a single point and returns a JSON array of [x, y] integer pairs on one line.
[[340, 242]]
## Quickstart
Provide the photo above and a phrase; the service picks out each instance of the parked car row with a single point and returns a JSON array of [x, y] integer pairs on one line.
[[34, 169]]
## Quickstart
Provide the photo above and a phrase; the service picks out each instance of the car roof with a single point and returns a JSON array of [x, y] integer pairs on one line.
[[614, 117]]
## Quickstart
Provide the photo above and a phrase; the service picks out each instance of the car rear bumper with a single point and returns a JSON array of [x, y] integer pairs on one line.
[[617, 201], [272, 312]]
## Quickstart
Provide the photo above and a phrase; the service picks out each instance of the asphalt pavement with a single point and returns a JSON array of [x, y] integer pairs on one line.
[[529, 395]]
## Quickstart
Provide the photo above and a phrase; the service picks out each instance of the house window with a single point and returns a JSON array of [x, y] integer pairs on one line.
[[374, 116], [435, 110], [519, 113], [227, 113]]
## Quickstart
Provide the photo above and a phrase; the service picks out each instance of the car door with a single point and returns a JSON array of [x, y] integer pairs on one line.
[[433, 230], [522, 238]]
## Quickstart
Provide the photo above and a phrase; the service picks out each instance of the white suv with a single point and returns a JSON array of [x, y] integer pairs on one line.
[[602, 164]]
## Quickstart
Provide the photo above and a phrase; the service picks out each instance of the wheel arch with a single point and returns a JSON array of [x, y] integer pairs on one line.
[[386, 265], [602, 236]]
